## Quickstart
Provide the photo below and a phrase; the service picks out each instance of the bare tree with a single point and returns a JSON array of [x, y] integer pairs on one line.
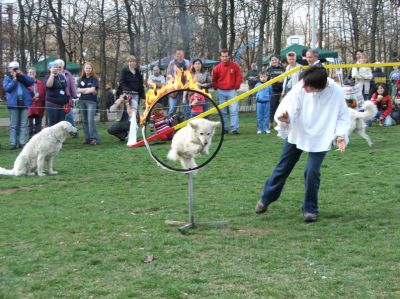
[[278, 26], [57, 15], [183, 23], [260, 48]]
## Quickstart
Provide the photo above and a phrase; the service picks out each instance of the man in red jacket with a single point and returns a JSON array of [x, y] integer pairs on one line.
[[226, 79]]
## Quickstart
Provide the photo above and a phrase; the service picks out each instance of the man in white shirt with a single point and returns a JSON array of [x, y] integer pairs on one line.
[[311, 118]]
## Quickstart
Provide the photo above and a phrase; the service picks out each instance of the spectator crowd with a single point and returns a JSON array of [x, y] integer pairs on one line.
[[33, 103]]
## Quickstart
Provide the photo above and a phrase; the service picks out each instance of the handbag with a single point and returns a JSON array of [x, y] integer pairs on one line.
[[67, 106]]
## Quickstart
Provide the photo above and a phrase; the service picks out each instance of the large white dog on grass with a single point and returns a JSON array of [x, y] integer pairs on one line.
[[192, 140], [357, 120], [40, 149]]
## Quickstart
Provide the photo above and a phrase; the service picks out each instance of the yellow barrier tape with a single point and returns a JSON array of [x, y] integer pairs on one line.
[[279, 78]]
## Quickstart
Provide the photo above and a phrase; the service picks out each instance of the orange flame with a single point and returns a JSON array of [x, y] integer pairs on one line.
[[153, 95]]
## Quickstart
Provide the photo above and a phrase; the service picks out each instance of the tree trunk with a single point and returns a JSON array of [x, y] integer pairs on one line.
[[231, 26], [22, 35], [117, 46], [260, 48], [321, 24], [224, 26], [103, 65], [278, 27], [57, 16], [129, 22], [10, 25], [184, 27], [374, 29]]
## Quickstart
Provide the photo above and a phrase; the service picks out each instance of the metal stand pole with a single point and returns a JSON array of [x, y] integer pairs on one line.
[[184, 229]]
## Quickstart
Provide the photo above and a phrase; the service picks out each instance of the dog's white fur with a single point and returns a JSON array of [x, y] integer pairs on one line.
[[192, 140], [357, 120], [40, 149]]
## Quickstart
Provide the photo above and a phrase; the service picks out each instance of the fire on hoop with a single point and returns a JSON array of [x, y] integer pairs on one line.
[[153, 96]]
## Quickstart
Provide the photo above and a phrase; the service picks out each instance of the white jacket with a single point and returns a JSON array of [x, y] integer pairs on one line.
[[362, 75], [315, 119]]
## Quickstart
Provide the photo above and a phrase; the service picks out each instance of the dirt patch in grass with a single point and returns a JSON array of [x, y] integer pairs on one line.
[[13, 190], [251, 231]]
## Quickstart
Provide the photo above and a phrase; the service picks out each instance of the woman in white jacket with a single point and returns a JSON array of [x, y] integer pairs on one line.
[[362, 75]]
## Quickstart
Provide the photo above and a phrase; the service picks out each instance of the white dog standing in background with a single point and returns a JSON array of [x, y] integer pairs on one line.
[[357, 120], [41, 148], [192, 140]]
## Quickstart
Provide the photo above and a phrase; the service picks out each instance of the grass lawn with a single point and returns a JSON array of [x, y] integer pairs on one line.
[[86, 232]]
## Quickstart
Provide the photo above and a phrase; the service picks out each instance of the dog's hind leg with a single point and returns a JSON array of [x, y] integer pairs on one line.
[[365, 137], [50, 163]]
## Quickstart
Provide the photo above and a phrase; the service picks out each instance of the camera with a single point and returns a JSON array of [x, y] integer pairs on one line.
[[127, 94]]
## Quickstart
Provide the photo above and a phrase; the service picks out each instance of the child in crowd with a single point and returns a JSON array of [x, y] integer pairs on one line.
[[263, 98], [159, 122], [197, 102], [384, 104]]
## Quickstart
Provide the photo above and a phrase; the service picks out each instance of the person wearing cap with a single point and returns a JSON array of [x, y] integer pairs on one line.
[[19, 99], [71, 87], [56, 94]]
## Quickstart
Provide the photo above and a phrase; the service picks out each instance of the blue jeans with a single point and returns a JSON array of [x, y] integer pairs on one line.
[[173, 103], [18, 126], [88, 113], [262, 116], [274, 103], [226, 95], [387, 122], [55, 113], [289, 157]]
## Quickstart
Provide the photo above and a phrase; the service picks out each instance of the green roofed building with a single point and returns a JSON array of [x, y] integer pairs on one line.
[[41, 66], [323, 53]]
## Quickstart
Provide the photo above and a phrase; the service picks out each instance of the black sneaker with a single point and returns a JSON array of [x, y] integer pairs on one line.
[[226, 132], [310, 217], [13, 147], [261, 208], [235, 132]]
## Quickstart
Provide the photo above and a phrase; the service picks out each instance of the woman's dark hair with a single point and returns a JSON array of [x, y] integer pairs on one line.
[[201, 62], [316, 77], [385, 93]]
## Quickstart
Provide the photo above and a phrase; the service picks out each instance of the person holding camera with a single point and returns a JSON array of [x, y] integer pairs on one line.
[[57, 95], [124, 106], [19, 99]]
